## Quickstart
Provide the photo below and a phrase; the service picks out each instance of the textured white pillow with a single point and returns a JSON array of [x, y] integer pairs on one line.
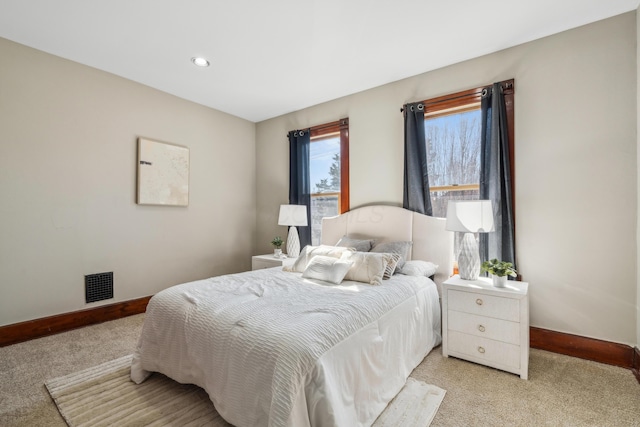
[[418, 267], [367, 267], [309, 252], [400, 248], [327, 268]]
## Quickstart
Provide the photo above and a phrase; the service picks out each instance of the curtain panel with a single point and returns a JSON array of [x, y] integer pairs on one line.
[[299, 178], [495, 176], [416, 195]]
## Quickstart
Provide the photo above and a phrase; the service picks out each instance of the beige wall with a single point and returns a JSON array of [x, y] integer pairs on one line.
[[576, 187], [638, 176], [67, 177], [68, 180]]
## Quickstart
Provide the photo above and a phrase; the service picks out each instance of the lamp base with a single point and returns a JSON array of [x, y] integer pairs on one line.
[[469, 258], [293, 243]]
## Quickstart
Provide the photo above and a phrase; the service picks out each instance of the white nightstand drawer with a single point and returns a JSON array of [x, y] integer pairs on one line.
[[487, 327], [485, 305], [494, 353]]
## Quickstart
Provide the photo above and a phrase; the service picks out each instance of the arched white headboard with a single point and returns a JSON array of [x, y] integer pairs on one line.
[[431, 242]]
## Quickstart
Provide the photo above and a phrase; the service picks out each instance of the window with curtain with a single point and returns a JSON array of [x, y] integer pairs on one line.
[[453, 127], [329, 173]]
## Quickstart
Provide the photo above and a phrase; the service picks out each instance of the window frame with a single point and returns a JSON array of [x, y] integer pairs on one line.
[[462, 101], [330, 130]]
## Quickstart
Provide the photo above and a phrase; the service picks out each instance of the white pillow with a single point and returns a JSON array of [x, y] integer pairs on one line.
[[327, 268], [418, 267], [367, 267], [309, 252]]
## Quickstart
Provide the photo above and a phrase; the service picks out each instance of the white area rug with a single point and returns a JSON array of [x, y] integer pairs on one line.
[[415, 405], [105, 396]]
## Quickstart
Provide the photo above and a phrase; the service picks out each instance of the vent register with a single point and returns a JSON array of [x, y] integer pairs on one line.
[[98, 287]]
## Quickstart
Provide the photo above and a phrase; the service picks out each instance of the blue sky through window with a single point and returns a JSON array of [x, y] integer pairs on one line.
[[321, 157]]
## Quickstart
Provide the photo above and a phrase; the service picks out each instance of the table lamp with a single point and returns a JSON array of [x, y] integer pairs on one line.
[[468, 217], [293, 216]]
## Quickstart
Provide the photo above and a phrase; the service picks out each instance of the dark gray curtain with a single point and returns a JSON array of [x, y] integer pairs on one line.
[[300, 179], [495, 176], [416, 179]]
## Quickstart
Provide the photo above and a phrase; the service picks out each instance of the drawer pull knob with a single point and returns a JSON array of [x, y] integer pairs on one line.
[[481, 328], [481, 350], [479, 301]]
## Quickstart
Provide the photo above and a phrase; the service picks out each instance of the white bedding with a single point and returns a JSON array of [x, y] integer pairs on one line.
[[273, 349]]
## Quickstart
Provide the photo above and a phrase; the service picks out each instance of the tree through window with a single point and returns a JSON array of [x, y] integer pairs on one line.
[[329, 173], [453, 127], [453, 156]]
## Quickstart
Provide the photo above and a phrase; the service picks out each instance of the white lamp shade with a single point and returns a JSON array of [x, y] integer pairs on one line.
[[295, 215], [470, 216]]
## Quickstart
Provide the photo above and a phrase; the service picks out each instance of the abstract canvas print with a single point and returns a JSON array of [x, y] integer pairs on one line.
[[163, 173]]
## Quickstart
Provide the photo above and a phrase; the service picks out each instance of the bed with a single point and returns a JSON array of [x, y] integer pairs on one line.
[[272, 348]]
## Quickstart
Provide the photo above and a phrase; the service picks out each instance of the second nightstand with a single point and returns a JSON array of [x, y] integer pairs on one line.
[[485, 324], [259, 262]]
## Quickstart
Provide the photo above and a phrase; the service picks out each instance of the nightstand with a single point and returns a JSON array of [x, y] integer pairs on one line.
[[485, 324], [259, 262]]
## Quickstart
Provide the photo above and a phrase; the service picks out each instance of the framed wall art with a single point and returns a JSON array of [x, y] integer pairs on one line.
[[163, 173]]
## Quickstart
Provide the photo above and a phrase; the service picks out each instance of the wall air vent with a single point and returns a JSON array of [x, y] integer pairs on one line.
[[98, 287]]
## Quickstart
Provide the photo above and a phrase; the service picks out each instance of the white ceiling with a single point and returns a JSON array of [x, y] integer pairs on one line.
[[271, 57]]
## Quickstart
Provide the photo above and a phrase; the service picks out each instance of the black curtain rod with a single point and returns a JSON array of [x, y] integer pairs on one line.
[[339, 123], [506, 84]]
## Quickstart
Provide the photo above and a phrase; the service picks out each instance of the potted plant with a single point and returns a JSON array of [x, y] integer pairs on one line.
[[277, 244], [499, 270]]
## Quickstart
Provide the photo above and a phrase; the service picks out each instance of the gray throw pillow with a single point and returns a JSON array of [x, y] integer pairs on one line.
[[360, 245], [400, 248]]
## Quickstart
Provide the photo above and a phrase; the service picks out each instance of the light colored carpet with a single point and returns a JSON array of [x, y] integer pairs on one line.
[[561, 390], [104, 396]]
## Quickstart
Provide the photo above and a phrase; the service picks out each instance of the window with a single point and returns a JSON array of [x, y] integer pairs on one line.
[[329, 173], [452, 125], [453, 153]]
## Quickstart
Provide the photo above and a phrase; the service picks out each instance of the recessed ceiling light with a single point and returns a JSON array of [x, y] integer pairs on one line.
[[200, 62]]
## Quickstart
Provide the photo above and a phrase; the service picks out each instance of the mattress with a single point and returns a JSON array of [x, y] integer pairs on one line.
[[274, 349]]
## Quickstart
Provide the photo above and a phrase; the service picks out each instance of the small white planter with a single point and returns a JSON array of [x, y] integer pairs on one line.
[[499, 281], [277, 253]]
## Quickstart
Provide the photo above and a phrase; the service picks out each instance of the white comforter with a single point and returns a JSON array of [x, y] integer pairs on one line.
[[273, 349]]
